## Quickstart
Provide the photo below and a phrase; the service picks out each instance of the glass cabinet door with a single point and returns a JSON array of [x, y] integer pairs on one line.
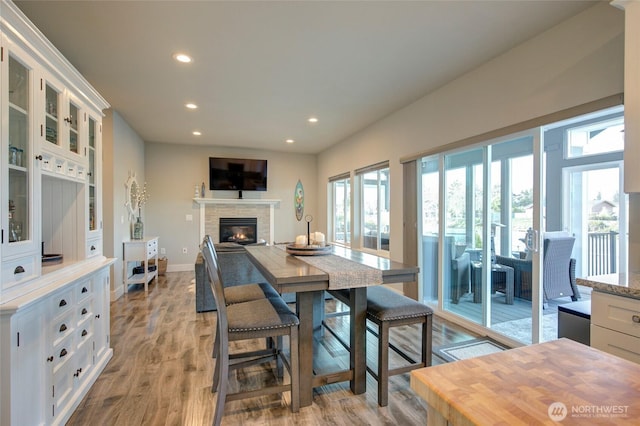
[[52, 109], [93, 195], [72, 120], [19, 153]]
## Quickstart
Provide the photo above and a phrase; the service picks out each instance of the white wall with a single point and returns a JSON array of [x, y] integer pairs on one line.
[[576, 62], [123, 153], [173, 170]]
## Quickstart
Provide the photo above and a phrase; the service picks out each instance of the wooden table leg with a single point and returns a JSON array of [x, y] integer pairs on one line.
[[304, 310], [358, 339]]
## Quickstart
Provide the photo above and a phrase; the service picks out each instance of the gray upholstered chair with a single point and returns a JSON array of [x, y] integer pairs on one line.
[[559, 269], [263, 318], [242, 292]]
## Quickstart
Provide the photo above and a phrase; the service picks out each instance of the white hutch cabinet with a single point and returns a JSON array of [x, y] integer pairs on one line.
[[54, 282]]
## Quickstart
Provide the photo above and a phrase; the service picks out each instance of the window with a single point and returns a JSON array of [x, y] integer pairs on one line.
[[340, 190], [596, 138], [374, 186]]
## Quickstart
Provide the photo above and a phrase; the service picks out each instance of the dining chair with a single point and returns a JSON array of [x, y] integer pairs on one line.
[[240, 293], [256, 319], [243, 292]]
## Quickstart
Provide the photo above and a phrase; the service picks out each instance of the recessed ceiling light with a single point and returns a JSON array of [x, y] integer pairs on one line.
[[312, 120], [182, 57], [197, 133], [289, 141], [191, 106]]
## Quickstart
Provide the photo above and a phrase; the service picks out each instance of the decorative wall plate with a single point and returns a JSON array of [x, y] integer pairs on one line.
[[298, 200]]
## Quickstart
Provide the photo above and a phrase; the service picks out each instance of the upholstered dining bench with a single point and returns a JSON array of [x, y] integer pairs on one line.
[[388, 309]]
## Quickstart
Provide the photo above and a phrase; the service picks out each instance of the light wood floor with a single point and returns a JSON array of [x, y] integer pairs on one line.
[[160, 373]]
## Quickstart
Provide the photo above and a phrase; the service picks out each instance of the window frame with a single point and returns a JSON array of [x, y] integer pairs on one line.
[[345, 179], [381, 248]]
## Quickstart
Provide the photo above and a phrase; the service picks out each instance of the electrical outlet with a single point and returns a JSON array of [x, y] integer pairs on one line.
[[163, 250], [184, 250]]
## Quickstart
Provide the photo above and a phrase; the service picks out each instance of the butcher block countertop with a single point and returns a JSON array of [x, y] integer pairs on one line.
[[532, 385]]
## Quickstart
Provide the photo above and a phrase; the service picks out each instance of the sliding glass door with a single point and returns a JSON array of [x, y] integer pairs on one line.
[[506, 204], [487, 266]]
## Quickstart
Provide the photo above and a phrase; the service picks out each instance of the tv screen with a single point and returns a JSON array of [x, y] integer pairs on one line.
[[237, 174]]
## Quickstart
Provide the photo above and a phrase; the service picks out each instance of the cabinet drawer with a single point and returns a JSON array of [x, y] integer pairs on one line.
[[62, 353], [17, 271], [615, 343], [80, 174], [59, 166], [72, 169], [48, 162], [62, 302], [62, 327], [152, 248], [94, 247], [616, 313], [85, 334], [134, 251], [84, 290], [85, 311]]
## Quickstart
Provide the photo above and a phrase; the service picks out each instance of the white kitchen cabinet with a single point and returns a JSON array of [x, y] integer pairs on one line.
[[615, 325]]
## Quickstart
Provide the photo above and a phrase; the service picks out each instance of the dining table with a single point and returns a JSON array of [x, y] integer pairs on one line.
[[309, 277]]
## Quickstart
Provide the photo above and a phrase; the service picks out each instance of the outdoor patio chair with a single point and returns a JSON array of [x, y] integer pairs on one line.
[[559, 269]]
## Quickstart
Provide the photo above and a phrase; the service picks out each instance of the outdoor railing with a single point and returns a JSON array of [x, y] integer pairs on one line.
[[601, 252]]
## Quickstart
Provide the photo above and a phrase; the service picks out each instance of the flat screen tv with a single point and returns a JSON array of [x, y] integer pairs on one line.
[[236, 174]]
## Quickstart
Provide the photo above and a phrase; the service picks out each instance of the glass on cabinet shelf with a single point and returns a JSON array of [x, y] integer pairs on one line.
[[51, 114], [18, 152], [93, 196], [73, 128]]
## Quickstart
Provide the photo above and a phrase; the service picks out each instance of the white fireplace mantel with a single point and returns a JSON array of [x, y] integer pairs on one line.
[[245, 202]]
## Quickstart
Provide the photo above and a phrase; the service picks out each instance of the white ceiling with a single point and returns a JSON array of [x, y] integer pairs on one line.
[[262, 68]]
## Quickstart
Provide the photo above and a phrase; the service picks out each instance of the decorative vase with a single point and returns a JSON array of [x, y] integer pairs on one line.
[[138, 229]]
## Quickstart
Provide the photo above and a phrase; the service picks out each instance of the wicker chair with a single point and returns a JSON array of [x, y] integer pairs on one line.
[[263, 318], [559, 269]]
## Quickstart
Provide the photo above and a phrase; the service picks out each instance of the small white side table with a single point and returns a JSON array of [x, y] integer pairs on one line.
[[139, 251]]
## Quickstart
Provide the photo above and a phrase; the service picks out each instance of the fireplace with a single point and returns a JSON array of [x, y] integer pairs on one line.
[[241, 230]]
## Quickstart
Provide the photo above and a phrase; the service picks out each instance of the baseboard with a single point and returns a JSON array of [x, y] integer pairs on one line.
[[186, 267]]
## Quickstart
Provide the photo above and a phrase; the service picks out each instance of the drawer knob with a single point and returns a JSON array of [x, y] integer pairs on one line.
[[84, 311], [19, 270], [63, 303], [84, 333], [63, 327], [84, 290], [63, 353], [636, 319], [50, 359]]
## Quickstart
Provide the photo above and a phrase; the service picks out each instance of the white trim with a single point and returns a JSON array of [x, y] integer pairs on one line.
[[204, 201]]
